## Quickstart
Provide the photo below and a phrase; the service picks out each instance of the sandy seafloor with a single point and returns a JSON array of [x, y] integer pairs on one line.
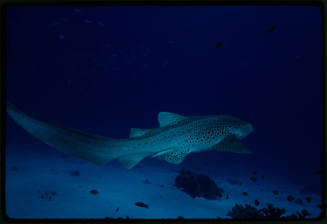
[[120, 188]]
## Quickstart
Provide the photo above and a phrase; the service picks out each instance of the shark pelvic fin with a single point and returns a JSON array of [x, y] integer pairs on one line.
[[137, 132], [96, 149], [131, 160], [172, 155], [231, 144], [166, 118]]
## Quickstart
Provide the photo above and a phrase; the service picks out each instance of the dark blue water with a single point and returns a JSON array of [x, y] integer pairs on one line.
[[104, 70]]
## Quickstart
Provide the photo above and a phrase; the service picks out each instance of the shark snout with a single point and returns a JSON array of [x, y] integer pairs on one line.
[[247, 129], [250, 128], [243, 130]]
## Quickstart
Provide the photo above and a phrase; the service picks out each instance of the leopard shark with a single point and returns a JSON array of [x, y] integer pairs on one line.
[[175, 138]]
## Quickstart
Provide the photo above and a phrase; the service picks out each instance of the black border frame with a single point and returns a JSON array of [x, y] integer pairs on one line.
[[322, 4]]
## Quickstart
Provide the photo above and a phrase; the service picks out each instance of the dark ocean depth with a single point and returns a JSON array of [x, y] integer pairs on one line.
[[104, 70]]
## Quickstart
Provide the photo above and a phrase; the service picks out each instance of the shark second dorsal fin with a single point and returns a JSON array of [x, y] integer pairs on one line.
[[166, 118], [137, 132], [231, 144]]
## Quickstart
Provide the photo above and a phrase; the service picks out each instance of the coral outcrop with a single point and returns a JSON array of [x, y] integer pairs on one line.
[[198, 185]]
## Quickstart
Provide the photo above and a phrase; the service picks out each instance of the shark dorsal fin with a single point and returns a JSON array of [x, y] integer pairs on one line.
[[231, 144], [166, 118], [137, 132]]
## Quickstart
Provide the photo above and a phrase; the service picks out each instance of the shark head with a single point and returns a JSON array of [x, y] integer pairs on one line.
[[229, 125], [222, 133], [240, 129]]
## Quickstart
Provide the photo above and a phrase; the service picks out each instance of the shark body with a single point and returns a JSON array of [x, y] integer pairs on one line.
[[176, 137]]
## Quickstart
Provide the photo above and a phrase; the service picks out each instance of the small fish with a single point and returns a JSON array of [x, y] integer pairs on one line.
[[272, 29], [141, 204], [100, 23], [318, 172], [94, 191], [14, 168], [290, 198], [234, 182], [69, 82], [275, 192], [253, 179], [75, 173], [117, 209], [146, 181], [220, 44], [53, 24]]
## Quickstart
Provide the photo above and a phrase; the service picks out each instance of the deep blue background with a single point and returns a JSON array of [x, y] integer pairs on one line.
[[104, 70]]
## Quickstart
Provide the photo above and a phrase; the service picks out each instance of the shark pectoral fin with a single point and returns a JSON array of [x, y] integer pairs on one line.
[[96, 149], [130, 161], [163, 152], [231, 144], [137, 132], [173, 155], [166, 118]]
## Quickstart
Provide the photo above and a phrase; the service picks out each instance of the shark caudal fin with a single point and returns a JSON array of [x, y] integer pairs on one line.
[[96, 149]]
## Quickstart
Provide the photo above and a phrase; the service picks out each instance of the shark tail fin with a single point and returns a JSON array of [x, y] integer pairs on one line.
[[96, 149]]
